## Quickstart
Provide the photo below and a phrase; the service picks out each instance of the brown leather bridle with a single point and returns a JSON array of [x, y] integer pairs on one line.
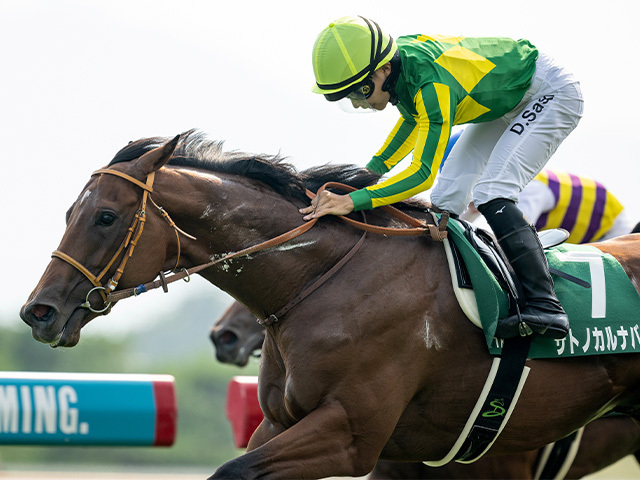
[[129, 243]]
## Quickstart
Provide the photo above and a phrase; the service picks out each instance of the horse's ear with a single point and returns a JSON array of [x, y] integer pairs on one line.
[[158, 157]]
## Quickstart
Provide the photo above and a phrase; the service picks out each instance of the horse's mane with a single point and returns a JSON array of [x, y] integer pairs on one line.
[[196, 151]]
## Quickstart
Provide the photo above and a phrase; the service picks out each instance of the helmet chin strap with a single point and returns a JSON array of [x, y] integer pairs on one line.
[[389, 84]]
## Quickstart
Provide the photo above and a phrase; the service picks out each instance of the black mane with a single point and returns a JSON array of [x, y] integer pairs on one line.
[[195, 150]]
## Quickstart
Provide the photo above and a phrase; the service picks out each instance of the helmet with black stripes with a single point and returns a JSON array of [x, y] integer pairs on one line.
[[345, 55]]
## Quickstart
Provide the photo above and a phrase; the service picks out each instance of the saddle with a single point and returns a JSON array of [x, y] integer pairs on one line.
[[594, 289], [485, 244]]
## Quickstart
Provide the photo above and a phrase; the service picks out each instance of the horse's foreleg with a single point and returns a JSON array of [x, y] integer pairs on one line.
[[265, 432], [320, 445]]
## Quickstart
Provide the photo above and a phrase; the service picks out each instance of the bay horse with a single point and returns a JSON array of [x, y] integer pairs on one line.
[[236, 336], [387, 321]]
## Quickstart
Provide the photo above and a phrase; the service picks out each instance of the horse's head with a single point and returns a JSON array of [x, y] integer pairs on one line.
[[236, 335], [103, 226]]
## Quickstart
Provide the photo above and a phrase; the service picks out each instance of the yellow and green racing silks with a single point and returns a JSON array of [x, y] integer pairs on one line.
[[444, 81]]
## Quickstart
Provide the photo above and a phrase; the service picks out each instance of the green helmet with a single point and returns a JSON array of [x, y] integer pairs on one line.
[[346, 53]]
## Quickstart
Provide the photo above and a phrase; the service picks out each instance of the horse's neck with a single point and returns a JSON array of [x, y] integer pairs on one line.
[[226, 214]]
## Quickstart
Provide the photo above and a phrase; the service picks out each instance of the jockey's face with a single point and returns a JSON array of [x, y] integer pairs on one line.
[[371, 96]]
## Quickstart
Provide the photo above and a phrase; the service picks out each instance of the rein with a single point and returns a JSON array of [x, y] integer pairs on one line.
[[437, 232], [110, 296]]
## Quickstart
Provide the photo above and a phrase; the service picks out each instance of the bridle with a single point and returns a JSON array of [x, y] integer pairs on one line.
[[436, 232], [128, 244]]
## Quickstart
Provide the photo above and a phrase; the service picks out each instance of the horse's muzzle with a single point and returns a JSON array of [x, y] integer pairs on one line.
[[49, 326], [41, 318], [225, 342]]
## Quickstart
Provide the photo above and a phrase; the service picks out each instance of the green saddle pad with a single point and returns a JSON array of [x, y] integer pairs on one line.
[[604, 310]]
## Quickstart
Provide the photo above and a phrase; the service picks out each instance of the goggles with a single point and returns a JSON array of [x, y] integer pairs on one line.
[[359, 98]]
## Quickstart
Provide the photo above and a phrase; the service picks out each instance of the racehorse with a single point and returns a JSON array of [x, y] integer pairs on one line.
[[386, 321], [236, 336]]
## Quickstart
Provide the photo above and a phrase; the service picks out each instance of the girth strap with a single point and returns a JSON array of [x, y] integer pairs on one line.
[[494, 405]]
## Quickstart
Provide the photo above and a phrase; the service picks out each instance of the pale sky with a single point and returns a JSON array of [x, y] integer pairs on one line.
[[80, 79]]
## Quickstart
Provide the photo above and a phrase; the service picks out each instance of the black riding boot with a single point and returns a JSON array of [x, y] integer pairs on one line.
[[519, 241]]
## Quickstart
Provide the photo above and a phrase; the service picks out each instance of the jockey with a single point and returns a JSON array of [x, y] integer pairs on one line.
[[581, 206], [520, 104]]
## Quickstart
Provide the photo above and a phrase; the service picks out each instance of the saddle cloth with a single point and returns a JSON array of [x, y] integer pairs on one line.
[[598, 296]]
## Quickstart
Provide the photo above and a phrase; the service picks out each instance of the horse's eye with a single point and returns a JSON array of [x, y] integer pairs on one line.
[[105, 219]]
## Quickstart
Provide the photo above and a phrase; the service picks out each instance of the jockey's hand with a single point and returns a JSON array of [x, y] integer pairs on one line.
[[328, 203]]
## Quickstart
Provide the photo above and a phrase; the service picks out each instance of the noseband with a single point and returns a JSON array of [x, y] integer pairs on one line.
[[129, 243]]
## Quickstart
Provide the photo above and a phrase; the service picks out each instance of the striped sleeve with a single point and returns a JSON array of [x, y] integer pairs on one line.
[[399, 143], [434, 120]]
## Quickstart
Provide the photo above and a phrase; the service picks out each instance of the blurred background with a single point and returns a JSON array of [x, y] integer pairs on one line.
[[174, 342], [80, 79]]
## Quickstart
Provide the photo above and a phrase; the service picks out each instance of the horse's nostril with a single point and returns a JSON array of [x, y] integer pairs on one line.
[[227, 338], [42, 313]]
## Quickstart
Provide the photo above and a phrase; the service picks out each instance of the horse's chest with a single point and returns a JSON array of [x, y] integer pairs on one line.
[[282, 407], [281, 396]]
